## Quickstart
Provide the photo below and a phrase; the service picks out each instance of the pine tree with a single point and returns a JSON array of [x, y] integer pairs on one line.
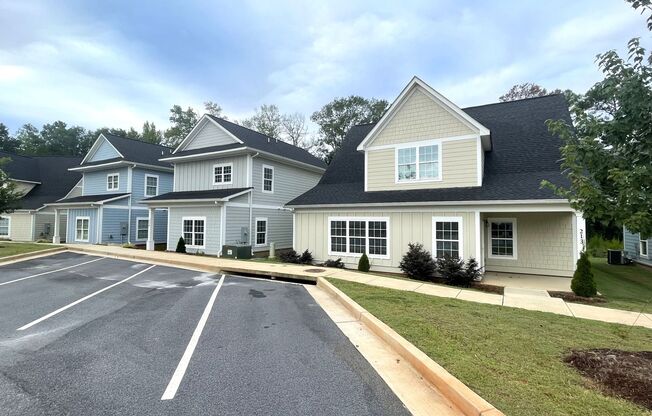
[[181, 245], [583, 283], [363, 264]]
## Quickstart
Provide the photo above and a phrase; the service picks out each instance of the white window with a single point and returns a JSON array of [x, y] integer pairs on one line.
[[447, 237], [5, 226], [418, 163], [268, 179], [261, 231], [112, 181], [502, 238], [142, 226], [357, 235], [643, 246], [194, 231], [223, 174], [81, 228], [151, 185]]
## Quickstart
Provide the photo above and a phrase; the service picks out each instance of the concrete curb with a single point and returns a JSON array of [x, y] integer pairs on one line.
[[31, 255], [464, 398]]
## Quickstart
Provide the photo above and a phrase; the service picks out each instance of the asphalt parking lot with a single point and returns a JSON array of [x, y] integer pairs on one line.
[[90, 335]]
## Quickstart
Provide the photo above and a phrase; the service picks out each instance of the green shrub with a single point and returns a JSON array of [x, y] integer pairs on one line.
[[598, 246], [363, 264], [181, 245], [305, 257], [417, 263], [583, 283], [128, 245], [338, 264], [291, 256]]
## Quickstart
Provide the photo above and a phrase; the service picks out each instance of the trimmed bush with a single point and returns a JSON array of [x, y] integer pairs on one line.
[[181, 245], [334, 263], [583, 283], [363, 263], [455, 272], [289, 256], [417, 263], [305, 257]]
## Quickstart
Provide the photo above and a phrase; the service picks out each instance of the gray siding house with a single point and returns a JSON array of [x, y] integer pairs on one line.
[[230, 186], [637, 247]]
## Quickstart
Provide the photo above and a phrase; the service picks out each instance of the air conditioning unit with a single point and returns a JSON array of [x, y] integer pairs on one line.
[[616, 257]]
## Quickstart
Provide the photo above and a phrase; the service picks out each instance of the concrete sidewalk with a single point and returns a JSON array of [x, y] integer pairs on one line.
[[532, 299]]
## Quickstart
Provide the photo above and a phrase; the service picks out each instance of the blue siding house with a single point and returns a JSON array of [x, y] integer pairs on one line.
[[637, 247], [118, 173]]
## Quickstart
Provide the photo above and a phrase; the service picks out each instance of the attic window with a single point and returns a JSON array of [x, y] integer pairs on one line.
[[418, 163]]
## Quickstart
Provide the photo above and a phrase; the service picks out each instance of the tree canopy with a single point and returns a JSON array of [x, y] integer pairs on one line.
[[526, 90], [9, 196]]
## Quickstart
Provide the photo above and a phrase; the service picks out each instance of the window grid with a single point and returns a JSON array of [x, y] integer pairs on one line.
[[113, 181], [643, 247], [447, 239], [418, 163], [261, 232], [193, 232], [268, 179], [4, 226], [223, 174], [357, 236], [81, 229], [142, 228], [502, 238], [151, 185]]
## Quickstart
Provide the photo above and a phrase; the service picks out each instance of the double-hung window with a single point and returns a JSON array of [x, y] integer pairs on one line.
[[268, 179], [419, 163], [261, 231], [142, 225], [502, 238], [4, 226], [356, 235], [223, 174], [643, 246], [81, 228], [447, 232], [193, 231], [112, 181], [151, 185]]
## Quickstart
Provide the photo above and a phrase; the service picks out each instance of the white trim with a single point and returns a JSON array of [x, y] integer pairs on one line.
[[222, 228], [225, 199], [88, 203], [223, 165], [640, 247], [87, 218], [197, 128], [100, 220], [263, 178], [110, 175], [479, 166], [8, 217], [119, 163], [256, 244], [514, 255], [158, 180], [460, 234], [202, 155], [96, 146], [422, 142], [260, 206], [478, 239], [386, 220], [249, 170], [418, 146], [193, 219], [137, 220], [294, 230], [366, 174], [24, 181], [470, 204], [437, 97]]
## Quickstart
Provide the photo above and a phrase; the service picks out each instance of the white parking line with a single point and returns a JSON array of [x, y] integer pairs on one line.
[[51, 271], [51, 314], [175, 381]]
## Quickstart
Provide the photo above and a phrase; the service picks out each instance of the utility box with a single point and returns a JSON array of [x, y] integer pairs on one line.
[[123, 228], [615, 257], [47, 228], [236, 251]]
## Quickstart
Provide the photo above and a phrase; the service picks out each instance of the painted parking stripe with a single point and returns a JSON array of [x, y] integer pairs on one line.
[[51, 271], [175, 381], [58, 311]]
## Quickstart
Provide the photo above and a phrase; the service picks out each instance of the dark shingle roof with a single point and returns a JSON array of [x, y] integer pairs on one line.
[[258, 141], [209, 194], [523, 154], [90, 198], [137, 151], [55, 180]]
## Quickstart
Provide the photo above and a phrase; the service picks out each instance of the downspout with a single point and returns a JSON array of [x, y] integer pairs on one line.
[[250, 180], [129, 179]]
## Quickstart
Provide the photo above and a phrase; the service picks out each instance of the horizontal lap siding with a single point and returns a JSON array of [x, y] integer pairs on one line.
[[236, 218], [209, 135], [279, 227], [160, 224], [104, 152], [212, 226], [138, 183], [41, 219], [289, 182], [111, 230], [95, 182], [633, 247], [198, 176]]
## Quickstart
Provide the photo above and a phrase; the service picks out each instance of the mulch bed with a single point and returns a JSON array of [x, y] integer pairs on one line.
[[626, 374], [489, 288], [571, 297]]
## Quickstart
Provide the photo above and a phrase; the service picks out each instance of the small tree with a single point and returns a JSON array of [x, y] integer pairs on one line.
[[9, 195], [181, 245], [363, 264], [583, 283], [417, 263], [289, 256]]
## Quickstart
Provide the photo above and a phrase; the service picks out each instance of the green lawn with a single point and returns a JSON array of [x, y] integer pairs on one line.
[[511, 357], [624, 287], [9, 249]]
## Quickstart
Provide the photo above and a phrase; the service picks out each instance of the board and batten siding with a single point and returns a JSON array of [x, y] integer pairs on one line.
[[459, 168], [289, 182], [112, 218], [198, 175], [95, 182], [211, 227], [312, 229], [41, 219], [104, 151], [73, 214], [209, 135], [279, 228], [160, 225], [20, 226]]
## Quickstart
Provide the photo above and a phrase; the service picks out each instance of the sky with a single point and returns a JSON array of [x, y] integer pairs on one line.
[[119, 63]]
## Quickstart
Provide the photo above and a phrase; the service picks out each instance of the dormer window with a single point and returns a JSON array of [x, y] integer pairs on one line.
[[418, 163]]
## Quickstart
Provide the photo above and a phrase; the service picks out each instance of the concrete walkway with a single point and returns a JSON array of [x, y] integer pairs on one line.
[[532, 299]]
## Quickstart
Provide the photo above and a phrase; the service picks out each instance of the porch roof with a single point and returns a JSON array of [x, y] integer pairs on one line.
[[90, 199], [207, 195]]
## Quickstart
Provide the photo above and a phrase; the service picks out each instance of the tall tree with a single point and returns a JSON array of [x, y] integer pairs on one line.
[[8, 143], [337, 117], [150, 134], [608, 153], [526, 90], [267, 120], [9, 196], [63, 140], [182, 123], [214, 109], [31, 142], [294, 129]]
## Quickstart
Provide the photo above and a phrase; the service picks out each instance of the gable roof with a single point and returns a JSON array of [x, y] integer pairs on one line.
[[131, 150], [255, 141], [50, 173], [524, 153]]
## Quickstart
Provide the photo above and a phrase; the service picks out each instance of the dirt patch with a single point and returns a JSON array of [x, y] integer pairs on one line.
[[626, 374], [489, 288], [572, 297]]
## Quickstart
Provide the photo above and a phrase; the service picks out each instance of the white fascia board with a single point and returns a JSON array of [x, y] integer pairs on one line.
[[563, 204], [169, 201], [25, 181], [96, 145], [202, 155], [119, 163], [202, 121]]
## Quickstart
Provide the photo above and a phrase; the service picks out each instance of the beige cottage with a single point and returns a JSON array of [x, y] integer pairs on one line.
[[463, 182]]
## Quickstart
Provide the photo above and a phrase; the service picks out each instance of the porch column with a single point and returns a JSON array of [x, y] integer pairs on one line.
[[56, 239], [150, 230], [580, 233]]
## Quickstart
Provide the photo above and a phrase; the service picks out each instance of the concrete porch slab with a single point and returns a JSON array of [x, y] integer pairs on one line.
[[528, 281]]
